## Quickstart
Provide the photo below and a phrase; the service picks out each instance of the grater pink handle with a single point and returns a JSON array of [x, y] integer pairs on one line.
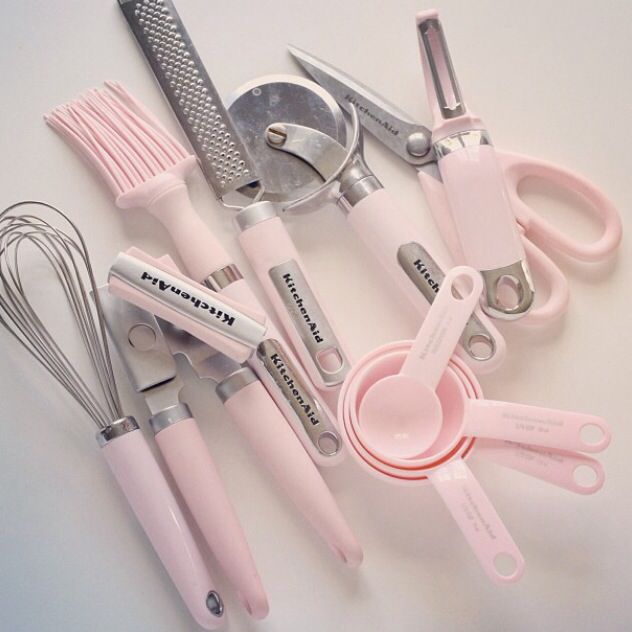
[[199, 249], [276, 445], [553, 466], [546, 427], [400, 249], [155, 506], [279, 268], [480, 524], [199, 482]]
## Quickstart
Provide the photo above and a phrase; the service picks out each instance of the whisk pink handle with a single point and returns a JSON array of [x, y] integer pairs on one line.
[[199, 249], [480, 524], [557, 467], [277, 446], [534, 425], [399, 247], [194, 472], [280, 271], [155, 506]]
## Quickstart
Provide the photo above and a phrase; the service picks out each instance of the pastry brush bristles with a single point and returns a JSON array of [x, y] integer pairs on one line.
[[123, 141]]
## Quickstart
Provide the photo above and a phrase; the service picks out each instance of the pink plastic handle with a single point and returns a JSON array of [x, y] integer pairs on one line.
[[546, 427], [516, 168], [480, 524], [390, 236], [441, 329], [199, 249], [279, 449], [268, 246], [155, 506], [557, 467], [194, 472]]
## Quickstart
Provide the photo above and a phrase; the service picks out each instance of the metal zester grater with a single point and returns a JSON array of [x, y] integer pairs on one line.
[[167, 46]]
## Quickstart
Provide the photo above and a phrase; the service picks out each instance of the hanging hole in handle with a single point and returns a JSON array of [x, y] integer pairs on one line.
[[506, 565], [480, 347], [591, 434], [509, 292], [462, 286], [330, 360], [214, 603], [328, 443], [585, 476]]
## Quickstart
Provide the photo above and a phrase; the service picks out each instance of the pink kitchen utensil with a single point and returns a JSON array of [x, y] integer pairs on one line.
[[401, 414]]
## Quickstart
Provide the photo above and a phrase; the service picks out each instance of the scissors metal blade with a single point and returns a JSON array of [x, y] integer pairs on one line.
[[391, 126]]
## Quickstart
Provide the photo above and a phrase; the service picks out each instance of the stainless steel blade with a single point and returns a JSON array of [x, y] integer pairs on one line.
[[178, 68], [394, 128], [143, 350]]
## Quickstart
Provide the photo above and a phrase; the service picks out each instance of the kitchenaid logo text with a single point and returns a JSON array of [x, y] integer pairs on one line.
[[163, 286], [422, 268], [302, 310], [363, 109], [291, 387]]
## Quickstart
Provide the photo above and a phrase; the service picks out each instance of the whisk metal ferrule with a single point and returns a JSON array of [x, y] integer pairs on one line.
[[116, 429]]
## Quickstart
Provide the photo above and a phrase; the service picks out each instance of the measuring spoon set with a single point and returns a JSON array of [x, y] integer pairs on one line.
[[410, 412]]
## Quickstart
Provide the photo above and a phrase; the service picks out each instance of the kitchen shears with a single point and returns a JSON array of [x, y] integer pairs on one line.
[[457, 198]]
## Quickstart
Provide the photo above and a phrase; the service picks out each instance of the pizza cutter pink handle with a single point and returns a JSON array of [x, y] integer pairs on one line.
[[155, 506], [516, 168], [277, 446], [278, 266], [399, 247], [480, 524], [199, 249], [440, 332], [194, 472], [546, 427], [557, 467]]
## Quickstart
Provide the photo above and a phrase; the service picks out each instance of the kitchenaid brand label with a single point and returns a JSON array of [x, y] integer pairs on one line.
[[421, 269], [364, 110], [308, 318]]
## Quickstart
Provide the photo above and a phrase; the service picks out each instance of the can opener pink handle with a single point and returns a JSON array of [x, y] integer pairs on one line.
[[148, 494]]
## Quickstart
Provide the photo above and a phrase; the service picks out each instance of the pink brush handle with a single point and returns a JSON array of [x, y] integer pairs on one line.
[[277, 446], [198, 480], [553, 466], [278, 266], [533, 425], [516, 168], [199, 249], [480, 524], [399, 247], [149, 496]]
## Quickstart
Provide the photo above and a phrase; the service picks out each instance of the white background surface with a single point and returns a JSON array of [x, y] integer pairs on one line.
[[550, 79]]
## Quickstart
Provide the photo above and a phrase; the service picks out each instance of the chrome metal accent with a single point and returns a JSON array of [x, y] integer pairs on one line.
[[232, 384], [169, 416], [187, 299], [309, 320], [518, 276], [418, 144], [214, 603], [436, 49], [427, 277], [224, 159], [220, 279], [254, 214], [293, 397], [385, 121], [116, 429], [461, 140]]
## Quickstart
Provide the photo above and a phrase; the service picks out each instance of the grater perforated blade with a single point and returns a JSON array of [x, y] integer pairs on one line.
[[176, 64]]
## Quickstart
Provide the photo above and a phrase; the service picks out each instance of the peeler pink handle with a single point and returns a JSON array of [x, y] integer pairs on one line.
[[399, 247], [285, 282], [546, 427], [199, 249], [553, 466], [155, 506], [278, 447], [198, 480], [480, 524]]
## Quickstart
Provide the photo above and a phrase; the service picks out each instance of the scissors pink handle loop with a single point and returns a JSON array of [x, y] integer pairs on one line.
[[517, 167], [558, 295]]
